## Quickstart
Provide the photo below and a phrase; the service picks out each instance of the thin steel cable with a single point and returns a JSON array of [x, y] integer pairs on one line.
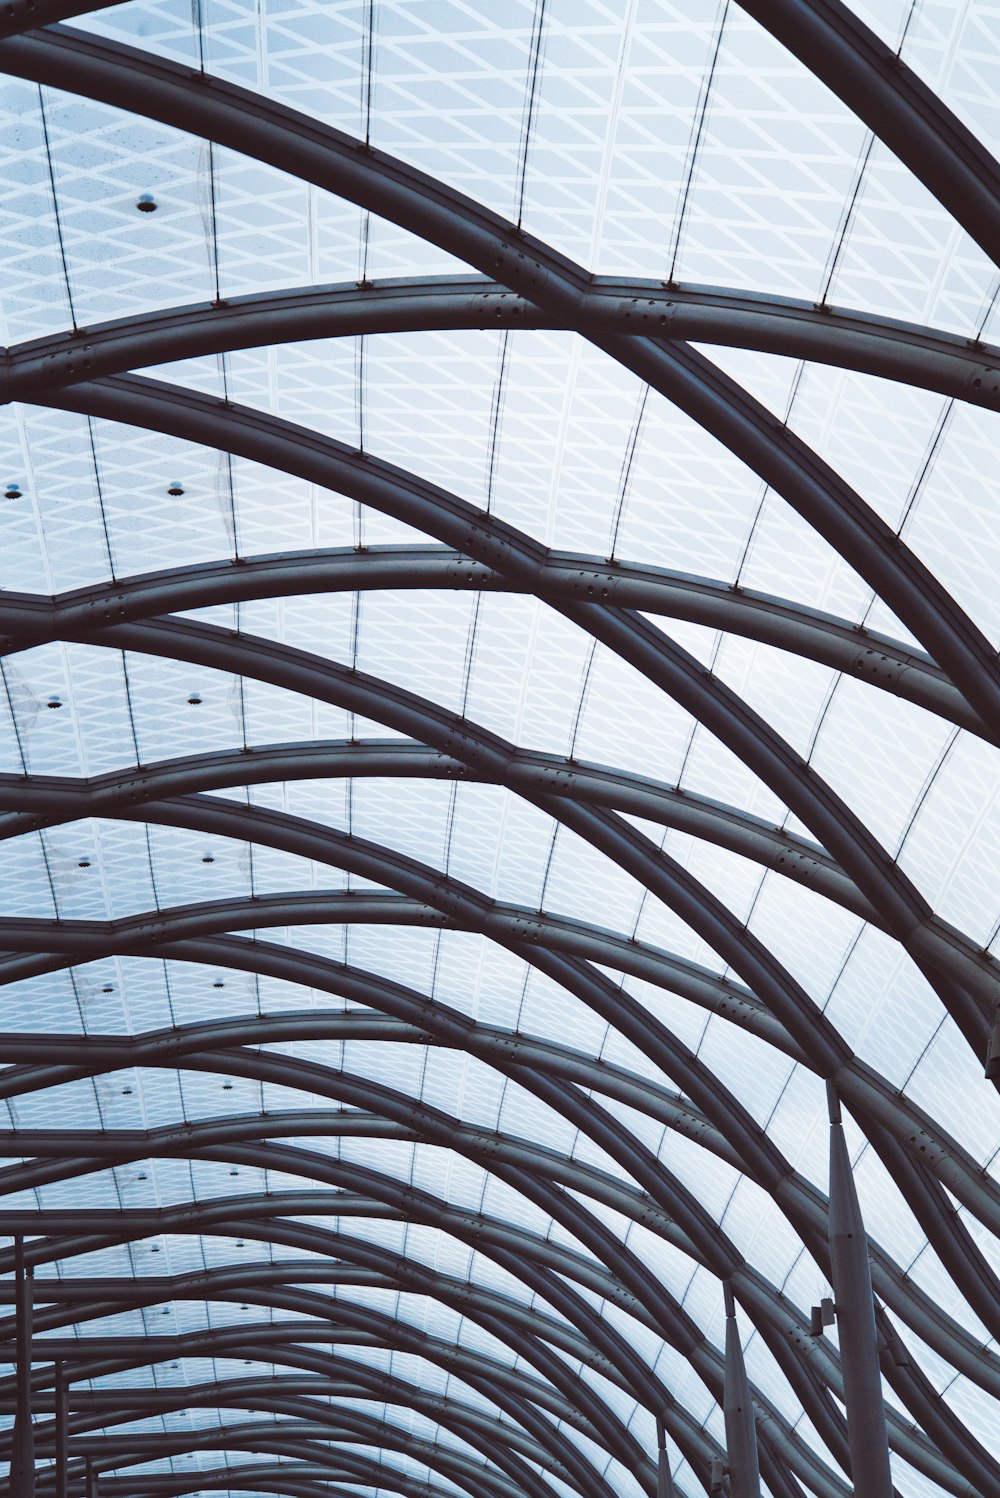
[[694, 143], [56, 210]]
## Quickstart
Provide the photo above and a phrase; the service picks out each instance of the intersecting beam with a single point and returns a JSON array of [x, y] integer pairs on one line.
[[262, 129], [515, 1391], [245, 1217], [960, 368], [308, 1344], [310, 1444], [518, 1393], [29, 802], [65, 1153], [75, 1299], [500, 1472], [836, 46], [284, 1479], [99, 1410], [559, 577], [293, 1162], [966, 977], [166, 933]]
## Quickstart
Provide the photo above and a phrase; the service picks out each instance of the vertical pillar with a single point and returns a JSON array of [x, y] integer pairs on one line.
[[664, 1486], [852, 1288], [22, 1465], [91, 1478], [737, 1407], [62, 1433]]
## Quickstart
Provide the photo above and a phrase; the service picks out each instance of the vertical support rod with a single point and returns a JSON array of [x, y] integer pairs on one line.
[[852, 1287], [737, 1408], [22, 1466], [664, 1486], [91, 1478], [62, 1434]]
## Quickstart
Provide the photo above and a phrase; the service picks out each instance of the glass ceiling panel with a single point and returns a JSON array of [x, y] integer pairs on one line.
[[495, 948]]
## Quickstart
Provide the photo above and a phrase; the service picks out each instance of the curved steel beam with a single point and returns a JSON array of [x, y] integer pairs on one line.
[[468, 908], [499, 1471], [875, 83], [516, 1250], [308, 1396], [290, 141], [310, 1444], [287, 1343], [113, 1056], [293, 1397], [615, 1006], [469, 1424], [927, 358], [776, 1315], [226, 1216], [946, 958], [30, 802], [770, 1170], [101, 1298], [28, 619], [285, 1479], [518, 1326], [62, 1154], [515, 1390], [836, 46]]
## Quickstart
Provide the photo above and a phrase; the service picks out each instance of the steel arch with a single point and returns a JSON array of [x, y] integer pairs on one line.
[[970, 988], [908, 353], [281, 137], [759, 1297], [559, 577], [722, 408]]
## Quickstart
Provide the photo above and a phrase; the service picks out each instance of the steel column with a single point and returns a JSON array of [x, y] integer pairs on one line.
[[741, 1431], [22, 1467], [61, 1432], [852, 1286]]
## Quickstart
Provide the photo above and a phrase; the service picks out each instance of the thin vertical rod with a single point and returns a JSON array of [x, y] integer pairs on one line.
[[23, 1439], [852, 1288], [737, 1407], [91, 1478], [62, 1433]]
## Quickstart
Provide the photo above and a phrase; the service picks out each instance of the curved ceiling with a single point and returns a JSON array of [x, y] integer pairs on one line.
[[500, 706]]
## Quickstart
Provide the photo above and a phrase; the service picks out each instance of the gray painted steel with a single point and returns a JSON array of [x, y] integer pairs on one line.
[[292, 142], [852, 1287], [927, 358]]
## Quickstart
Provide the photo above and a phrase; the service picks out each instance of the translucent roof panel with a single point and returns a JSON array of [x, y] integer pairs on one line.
[[498, 749]]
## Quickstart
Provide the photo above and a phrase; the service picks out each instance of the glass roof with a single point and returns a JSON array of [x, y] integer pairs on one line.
[[499, 707]]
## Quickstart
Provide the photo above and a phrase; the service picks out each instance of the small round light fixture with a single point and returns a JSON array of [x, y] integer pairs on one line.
[[12, 491], [108, 988], [175, 489], [146, 203], [83, 863], [218, 983], [208, 858], [194, 700], [54, 702]]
